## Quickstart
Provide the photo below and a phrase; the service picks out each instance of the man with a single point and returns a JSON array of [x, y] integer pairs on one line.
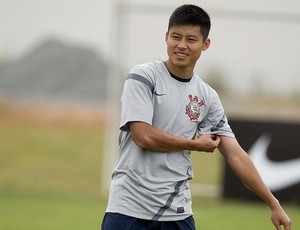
[[167, 112]]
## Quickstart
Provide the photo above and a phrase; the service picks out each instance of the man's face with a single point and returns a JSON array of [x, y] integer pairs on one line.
[[184, 46]]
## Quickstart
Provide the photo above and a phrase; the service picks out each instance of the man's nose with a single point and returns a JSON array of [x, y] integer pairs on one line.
[[182, 44]]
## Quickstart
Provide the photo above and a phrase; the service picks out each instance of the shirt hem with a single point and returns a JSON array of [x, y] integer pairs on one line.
[[147, 216]]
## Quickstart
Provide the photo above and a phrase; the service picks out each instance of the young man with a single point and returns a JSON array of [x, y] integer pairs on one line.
[[165, 105]]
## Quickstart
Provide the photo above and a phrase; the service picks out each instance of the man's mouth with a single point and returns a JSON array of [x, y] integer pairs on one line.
[[181, 54]]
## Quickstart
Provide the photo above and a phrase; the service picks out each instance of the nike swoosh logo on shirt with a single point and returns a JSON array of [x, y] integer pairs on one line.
[[276, 175], [158, 94]]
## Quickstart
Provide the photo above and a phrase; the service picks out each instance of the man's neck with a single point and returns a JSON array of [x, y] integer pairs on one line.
[[178, 71]]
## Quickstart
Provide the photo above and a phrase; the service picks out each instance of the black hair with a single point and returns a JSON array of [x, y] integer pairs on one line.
[[191, 15]]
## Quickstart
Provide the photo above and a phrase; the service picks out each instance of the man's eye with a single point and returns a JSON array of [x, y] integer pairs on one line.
[[175, 37], [192, 40]]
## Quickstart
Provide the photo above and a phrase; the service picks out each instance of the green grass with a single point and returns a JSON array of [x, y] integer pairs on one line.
[[56, 160], [213, 214], [50, 179], [207, 168], [48, 212]]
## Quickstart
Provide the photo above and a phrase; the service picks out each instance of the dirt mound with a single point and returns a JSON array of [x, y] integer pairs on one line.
[[67, 116]]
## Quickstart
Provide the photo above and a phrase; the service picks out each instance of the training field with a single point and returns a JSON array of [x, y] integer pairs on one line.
[[50, 179]]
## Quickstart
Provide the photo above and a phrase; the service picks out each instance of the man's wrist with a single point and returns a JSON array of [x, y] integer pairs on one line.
[[190, 145], [274, 203]]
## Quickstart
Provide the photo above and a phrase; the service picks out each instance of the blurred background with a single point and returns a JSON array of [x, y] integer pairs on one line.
[[62, 67]]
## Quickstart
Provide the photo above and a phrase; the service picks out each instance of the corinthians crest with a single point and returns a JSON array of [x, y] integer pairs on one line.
[[193, 108]]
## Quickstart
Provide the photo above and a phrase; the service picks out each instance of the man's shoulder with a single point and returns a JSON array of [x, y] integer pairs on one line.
[[207, 91], [149, 70], [148, 67], [202, 83]]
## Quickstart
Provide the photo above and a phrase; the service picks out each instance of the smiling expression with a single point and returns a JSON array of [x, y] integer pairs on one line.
[[184, 46]]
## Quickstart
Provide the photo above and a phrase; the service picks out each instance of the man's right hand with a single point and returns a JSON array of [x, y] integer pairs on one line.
[[207, 142]]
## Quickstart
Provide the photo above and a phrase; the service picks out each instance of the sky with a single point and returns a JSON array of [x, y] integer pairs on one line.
[[255, 44]]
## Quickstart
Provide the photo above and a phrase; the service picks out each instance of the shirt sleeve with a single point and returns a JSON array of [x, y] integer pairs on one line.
[[215, 121], [137, 99]]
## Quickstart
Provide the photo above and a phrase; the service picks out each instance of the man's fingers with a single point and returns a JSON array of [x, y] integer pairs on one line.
[[287, 226], [216, 138], [277, 226]]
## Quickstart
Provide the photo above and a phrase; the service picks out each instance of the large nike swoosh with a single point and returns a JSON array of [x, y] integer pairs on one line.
[[276, 175]]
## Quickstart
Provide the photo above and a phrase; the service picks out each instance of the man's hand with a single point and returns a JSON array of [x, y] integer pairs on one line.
[[279, 218], [207, 142]]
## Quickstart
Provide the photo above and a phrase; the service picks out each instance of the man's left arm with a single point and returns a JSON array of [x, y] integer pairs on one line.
[[243, 167]]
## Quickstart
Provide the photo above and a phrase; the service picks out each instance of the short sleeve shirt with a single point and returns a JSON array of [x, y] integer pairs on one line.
[[154, 185]]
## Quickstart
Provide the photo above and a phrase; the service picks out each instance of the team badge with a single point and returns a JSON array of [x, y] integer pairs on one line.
[[193, 108]]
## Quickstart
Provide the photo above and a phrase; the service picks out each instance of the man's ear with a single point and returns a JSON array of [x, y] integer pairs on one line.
[[206, 44], [167, 35]]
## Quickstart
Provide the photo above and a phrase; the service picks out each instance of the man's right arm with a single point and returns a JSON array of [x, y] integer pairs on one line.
[[148, 137]]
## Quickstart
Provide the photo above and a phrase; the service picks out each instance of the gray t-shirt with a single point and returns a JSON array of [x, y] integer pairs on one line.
[[154, 185]]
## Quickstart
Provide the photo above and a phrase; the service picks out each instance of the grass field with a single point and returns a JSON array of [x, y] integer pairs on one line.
[[50, 179]]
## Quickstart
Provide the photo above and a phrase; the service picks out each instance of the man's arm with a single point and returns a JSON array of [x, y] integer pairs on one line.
[[147, 137], [243, 167]]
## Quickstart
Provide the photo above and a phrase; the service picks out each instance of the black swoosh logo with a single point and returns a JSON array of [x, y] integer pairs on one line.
[[276, 175], [158, 94]]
